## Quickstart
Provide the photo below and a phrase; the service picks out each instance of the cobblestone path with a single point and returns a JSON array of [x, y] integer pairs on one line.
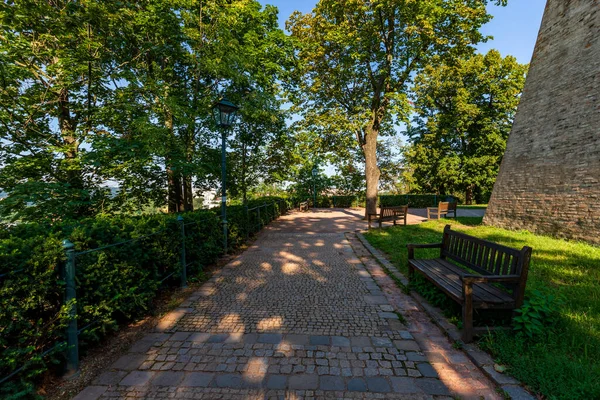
[[296, 316]]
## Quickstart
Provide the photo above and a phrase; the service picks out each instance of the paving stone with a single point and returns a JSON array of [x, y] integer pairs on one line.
[[234, 381], [167, 378], [427, 370], [129, 362], [303, 382], [137, 378], [319, 340], [433, 386], [360, 341], [271, 338], [197, 379], [381, 342], [91, 393], [340, 341], [378, 384], [332, 383], [199, 337], [377, 300], [142, 346], [405, 385], [110, 378], [407, 345], [179, 336], [296, 339], [517, 392], [357, 385], [388, 315], [219, 338], [276, 382]]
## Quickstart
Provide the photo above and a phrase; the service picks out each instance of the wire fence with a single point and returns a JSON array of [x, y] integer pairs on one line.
[[255, 220]]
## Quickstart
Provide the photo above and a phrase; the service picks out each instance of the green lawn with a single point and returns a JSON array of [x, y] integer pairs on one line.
[[565, 362], [474, 206]]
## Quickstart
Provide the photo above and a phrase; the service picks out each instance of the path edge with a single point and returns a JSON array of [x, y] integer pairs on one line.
[[480, 358]]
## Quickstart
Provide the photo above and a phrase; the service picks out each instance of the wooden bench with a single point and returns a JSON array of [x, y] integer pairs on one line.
[[391, 213], [497, 281], [304, 206], [443, 208]]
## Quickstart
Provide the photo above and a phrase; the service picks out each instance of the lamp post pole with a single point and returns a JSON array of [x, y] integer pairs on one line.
[[223, 189], [314, 174], [224, 112]]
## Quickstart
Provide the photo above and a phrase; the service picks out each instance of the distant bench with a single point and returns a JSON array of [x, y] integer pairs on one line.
[[388, 213], [498, 282], [304, 206], [443, 208]]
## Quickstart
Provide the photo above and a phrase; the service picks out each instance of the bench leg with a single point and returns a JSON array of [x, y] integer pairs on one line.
[[405, 219], [467, 314]]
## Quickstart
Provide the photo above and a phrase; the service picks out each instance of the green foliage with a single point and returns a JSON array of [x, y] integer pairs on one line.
[[413, 200], [538, 314], [356, 62], [464, 115], [344, 201], [115, 284], [563, 363]]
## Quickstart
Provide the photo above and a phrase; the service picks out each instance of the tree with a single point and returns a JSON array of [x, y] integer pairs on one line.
[[356, 59], [464, 115], [52, 59]]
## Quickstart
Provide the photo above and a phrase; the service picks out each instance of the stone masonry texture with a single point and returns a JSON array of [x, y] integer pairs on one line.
[[549, 180], [303, 313]]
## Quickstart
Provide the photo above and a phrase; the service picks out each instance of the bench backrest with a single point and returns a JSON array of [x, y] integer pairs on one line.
[[446, 206], [389, 211], [488, 258]]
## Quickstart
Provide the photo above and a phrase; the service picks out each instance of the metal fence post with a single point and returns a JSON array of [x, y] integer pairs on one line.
[[182, 255], [247, 222], [71, 301], [274, 212], [259, 220]]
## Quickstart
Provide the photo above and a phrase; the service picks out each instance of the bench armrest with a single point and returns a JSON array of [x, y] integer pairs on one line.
[[412, 246], [470, 279], [424, 246]]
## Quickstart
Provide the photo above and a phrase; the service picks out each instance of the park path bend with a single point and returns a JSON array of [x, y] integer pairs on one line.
[[298, 315]]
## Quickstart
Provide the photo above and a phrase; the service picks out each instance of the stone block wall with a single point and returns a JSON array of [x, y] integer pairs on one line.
[[549, 180]]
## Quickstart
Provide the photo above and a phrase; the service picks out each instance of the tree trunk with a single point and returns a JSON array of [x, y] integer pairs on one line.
[[371, 169], [188, 194], [74, 174], [469, 195], [175, 198], [174, 189]]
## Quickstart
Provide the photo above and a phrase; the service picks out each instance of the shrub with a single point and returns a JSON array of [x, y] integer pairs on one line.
[[344, 201], [412, 200], [114, 284], [537, 314]]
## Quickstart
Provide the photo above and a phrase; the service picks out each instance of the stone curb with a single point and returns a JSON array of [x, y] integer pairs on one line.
[[480, 358]]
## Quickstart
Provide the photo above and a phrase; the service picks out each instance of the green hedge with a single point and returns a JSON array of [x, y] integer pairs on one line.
[[114, 285], [413, 200]]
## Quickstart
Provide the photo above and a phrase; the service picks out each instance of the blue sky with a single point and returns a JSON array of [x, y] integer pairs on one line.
[[514, 27]]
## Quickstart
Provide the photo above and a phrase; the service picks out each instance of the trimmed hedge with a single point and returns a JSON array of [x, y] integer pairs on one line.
[[413, 200], [114, 285]]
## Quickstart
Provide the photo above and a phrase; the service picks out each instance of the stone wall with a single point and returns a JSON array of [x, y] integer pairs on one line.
[[549, 180]]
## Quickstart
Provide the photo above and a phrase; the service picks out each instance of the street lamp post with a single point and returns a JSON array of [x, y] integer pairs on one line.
[[224, 113], [314, 175]]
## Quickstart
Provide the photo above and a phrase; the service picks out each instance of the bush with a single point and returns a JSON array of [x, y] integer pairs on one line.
[[344, 201], [114, 285], [412, 200]]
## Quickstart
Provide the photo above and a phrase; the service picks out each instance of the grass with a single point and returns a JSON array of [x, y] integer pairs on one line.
[[564, 363], [474, 206]]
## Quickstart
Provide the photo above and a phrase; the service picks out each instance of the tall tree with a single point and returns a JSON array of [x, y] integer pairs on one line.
[[464, 115], [356, 59], [52, 58]]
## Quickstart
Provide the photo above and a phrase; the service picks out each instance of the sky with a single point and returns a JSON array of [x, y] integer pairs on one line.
[[514, 27]]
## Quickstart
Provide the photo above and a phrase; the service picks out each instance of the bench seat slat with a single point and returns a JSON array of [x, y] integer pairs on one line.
[[447, 277]]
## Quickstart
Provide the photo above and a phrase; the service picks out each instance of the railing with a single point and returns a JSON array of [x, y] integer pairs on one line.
[[68, 274]]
